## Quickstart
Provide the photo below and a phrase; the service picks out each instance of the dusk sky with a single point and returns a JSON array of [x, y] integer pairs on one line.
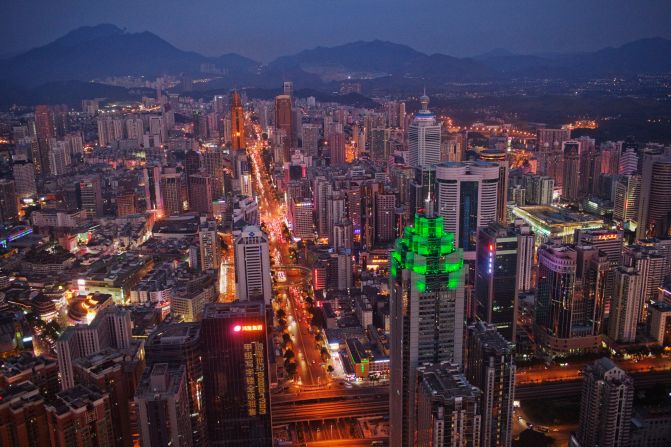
[[264, 29]]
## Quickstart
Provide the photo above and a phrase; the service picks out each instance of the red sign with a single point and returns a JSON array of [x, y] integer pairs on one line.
[[248, 328]]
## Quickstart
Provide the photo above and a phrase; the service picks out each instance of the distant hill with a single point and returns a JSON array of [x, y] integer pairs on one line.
[[105, 50], [101, 51]]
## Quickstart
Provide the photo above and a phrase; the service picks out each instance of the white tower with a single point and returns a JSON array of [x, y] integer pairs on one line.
[[252, 266]]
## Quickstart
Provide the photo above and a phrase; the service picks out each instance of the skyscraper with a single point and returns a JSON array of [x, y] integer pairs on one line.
[[210, 247], [24, 178], [8, 203], [172, 187], [180, 343], [163, 407], [427, 313], [385, 206], [252, 266], [45, 130], [284, 121], [503, 255], [91, 196], [237, 122], [201, 193], [606, 404], [235, 366], [489, 366], [628, 300], [466, 196], [448, 408], [424, 137], [571, 185], [654, 213], [310, 140]]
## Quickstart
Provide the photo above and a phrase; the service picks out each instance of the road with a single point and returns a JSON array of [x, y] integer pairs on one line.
[[272, 214]]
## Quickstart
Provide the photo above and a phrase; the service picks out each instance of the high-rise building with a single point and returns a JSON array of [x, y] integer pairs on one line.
[[424, 137], [427, 313], [163, 407], [569, 297], [448, 408], [385, 206], [284, 121], [180, 343], [24, 178], [200, 193], [310, 140], [336, 144], [116, 373], [288, 88], [8, 203], [237, 122], [45, 130], [91, 196], [210, 247], [654, 212], [628, 300], [467, 196], [126, 204], [79, 415], [343, 235], [606, 404], [172, 193], [503, 255], [235, 367], [489, 365], [252, 266], [23, 416], [571, 184], [111, 327], [627, 199], [539, 190], [301, 217]]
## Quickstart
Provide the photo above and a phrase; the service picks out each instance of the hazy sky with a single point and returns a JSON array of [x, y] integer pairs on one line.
[[264, 29]]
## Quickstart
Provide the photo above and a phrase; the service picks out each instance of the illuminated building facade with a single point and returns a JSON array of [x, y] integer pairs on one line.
[[252, 266], [427, 313], [237, 122], [235, 369]]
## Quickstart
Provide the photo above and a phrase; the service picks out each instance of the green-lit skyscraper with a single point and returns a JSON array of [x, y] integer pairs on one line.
[[427, 313]]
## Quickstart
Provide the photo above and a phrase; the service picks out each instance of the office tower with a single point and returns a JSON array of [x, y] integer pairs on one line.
[[467, 195], [448, 408], [424, 137], [301, 217], [116, 373], [500, 158], [210, 247], [660, 323], [385, 206], [550, 153], [503, 254], [59, 157], [451, 146], [628, 300], [284, 121], [322, 190], [336, 210], [606, 402], [237, 122], [310, 140], [44, 130], [354, 208], [489, 365], [654, 213], [8, 203], [252, 266], [343, 235], [539, 190], [611, 243], [379, 144], [235, 367], [180, 343], [111, 327], [427, 313], [571, 184], [79, 415], [91, 196], [288, 88], [343, 264], [172, 193], [652, 264], [628, 158], [23, 416], [627, 199], [569, 297], [336, 144], [24, 179], [163, 407], [200, 193]]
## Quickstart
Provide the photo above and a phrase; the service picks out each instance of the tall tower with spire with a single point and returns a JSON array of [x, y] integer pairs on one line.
[[427, 312], [424, 137], [237, 122]]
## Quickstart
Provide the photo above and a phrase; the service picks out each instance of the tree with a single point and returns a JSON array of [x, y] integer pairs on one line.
[[325, 354], [282, 322], [290, 367], [330, 369], [286, 338], [281, 314], [289, 354], [319, 337]]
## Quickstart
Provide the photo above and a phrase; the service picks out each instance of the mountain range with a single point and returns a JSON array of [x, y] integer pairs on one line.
[[101, 51]]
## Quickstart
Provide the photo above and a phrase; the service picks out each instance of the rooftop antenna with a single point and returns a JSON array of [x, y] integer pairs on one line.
[[428, 207]]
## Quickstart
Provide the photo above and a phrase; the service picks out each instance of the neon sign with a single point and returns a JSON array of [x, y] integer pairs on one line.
[[248, 328]]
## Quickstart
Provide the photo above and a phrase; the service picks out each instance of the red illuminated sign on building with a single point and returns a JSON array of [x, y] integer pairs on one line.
[[248, 328]]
